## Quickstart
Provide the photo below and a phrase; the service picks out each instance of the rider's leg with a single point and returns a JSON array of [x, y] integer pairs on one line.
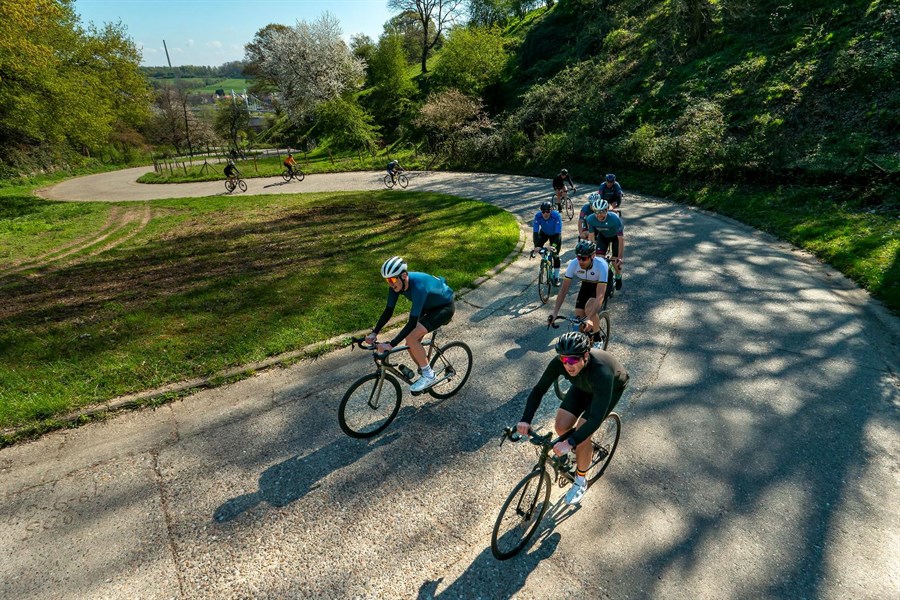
[[416, 349], [566, 421], [429, 321]]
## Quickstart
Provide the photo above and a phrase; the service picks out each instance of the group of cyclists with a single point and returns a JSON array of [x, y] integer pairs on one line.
[[232, 173], [598, 379]]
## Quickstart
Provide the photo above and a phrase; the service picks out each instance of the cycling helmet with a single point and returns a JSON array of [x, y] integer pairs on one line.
[[599, 204], [573, 343], [393, 266], [564, 172], [585, 248], [610, 177], [231, 162], [545, 206], [592, 197]]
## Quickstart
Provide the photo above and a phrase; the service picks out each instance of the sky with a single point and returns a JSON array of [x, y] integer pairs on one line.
[[213, 32]]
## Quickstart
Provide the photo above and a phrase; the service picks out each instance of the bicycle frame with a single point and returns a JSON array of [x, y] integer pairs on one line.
[[383, 363], [560, 466]]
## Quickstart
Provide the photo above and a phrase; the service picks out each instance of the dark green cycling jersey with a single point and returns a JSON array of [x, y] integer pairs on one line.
[[603, 378]]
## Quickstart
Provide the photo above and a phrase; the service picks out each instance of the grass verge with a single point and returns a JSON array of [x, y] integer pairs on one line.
[[213, 283]]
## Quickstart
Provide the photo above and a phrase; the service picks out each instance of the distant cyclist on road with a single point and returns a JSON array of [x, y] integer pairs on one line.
[[611, 191], [593, 273], [289, 163], [393, 169], [605, 228], [548, 226], [559, 186], [432, 306], [598, 380], [231, 171]]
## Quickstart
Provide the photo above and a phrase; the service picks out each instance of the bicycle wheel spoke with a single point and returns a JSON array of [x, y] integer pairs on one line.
[[521, 514], [369, 405]]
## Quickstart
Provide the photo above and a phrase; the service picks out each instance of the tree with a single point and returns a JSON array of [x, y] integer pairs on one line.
[[434, 16], [347, 125], [262, 46], [472, 59], [231, 119], [448, 116], [309, 63]]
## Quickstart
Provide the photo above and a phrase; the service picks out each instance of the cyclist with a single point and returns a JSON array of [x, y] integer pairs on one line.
[[593, 274], [598, 380], [289, 163], [605, 227], [548, 226], [559, 186], [393, 169], [432, 306], [231, 171], [611, 191], [584, 213]]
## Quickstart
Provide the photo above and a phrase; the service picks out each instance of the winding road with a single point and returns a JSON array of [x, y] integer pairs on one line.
[[758, 459]]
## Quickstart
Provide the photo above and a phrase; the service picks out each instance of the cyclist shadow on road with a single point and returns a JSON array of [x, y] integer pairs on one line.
[[290, 480], [493, 578], [278, 184]]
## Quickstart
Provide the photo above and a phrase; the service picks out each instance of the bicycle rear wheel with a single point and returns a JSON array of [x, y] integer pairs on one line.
[[521, 514], [286, 175], [601, 339], [388, 182], [453, 359], [229, 186], [242, 185], [369, 405], [403, 181], [605, 441], [570, 208], [544, 282], [561, 387]]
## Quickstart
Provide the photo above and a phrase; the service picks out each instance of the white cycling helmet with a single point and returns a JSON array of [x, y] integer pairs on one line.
[[392, 267], [593, 196], [599, 204]]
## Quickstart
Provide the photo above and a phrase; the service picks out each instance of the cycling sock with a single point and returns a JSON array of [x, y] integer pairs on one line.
[[580, 473], [427, 371]]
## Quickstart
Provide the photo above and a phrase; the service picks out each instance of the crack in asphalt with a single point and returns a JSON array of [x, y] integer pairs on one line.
[[167, 516]]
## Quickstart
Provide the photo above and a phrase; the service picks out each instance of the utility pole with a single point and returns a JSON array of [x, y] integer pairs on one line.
[[187, 129]]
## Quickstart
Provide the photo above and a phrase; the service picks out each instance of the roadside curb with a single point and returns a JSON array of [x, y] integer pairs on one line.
[[313, 350]]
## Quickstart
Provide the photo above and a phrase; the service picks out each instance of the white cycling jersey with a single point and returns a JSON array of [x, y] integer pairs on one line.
[[598, 271]]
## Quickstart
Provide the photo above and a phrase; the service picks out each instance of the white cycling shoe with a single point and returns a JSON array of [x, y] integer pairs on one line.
[[576, 493], [423, 383]]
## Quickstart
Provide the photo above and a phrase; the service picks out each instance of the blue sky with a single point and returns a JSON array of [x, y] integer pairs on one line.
[[212, 32]]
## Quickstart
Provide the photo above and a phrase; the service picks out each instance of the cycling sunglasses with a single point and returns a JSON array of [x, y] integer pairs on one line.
[[392, 280], [586, 257], [570, 360]]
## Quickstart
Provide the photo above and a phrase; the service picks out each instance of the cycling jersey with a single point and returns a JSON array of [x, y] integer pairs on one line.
[[603, 379], [428, 294], [559, 182], [611, 193], [289, 161], [551, 226], [583, 214], [230, 170], [608, 228], [598, 271]]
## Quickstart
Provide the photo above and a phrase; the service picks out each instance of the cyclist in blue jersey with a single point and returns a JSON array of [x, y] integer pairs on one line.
[[604, 228], [548, 226], [432, 306], [611, 191], [394, 168]]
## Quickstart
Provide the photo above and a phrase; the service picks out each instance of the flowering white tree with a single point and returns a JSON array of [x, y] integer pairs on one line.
[[311, 64]]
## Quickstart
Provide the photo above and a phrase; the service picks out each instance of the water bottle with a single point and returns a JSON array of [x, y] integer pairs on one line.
[[407, 372]]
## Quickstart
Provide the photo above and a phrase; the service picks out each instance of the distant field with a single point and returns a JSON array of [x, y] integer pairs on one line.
[[226, 84], [198, 85]]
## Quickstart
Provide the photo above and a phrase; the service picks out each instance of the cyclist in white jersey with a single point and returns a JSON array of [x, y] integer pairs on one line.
[[593, 273]]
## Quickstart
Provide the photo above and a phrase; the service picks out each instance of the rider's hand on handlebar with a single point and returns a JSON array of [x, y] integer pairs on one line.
[[383, 347], [523, 428], [370, 339], [563, 447]]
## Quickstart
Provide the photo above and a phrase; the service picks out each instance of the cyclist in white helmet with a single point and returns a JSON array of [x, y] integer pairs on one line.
[[585, 213], [604, 228], [432, 306]]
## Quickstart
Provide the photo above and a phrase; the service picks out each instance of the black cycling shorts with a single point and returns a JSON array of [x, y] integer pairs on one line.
[[578, 401], [437, 316], [603, 244], [588, 290]]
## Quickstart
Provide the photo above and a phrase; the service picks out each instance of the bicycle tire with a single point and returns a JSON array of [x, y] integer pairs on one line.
[[285, 175], [605, 329], [525, 510], [605, 441], [403, 181], [229, 186], [242, 185], [570, 208], [388, 182], [299, 175], [544, 282], [440, 362], [357, 417]]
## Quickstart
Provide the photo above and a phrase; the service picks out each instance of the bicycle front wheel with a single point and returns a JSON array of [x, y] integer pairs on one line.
[[453, 361], [369, 405], [242, 185], [403, 181], [521, 514], [544, 282], [299, 175], [388, 182], [605, 440], [570, 208]]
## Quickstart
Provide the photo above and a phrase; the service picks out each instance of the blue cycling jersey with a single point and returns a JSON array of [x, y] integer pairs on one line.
[[424, 291], [608, 228], [551, 226]]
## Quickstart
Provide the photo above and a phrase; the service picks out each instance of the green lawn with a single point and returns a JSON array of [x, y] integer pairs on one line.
[[209, 283]]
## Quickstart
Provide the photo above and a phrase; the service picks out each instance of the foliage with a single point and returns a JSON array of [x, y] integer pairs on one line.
[[434, 16], [231, 120], [174, 124], [390, 97], [450, 116], [472, 59], [347, 125]]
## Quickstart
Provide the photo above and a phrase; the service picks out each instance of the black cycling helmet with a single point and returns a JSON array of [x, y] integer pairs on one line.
[[573, 343], [610, 177], [546, 206], [564, 172], [585, 248]]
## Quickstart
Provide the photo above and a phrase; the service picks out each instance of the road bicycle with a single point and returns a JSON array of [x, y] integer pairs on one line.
[[600, 340], [235, 182], [373, 401], [295, 174], [398, 179], [545, 272], [525, 506], [566, 205]]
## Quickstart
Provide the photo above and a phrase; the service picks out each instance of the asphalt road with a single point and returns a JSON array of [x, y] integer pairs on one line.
[[758, 459]]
